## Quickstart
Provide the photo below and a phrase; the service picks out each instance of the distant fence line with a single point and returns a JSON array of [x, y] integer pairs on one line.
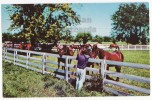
[[16, 56], [130, 47]]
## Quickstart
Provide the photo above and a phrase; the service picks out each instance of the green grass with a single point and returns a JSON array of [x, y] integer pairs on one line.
[[141, 57], [20, 82]]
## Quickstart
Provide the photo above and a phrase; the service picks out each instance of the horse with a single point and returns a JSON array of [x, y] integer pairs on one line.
[[76, 47], [25, 46], [64, 51], [114, 56], [114, 46]]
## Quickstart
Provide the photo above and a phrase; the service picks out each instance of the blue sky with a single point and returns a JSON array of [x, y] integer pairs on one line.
[[96, 18]]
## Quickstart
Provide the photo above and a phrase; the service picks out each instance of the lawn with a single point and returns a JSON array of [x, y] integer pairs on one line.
[[20, 82]]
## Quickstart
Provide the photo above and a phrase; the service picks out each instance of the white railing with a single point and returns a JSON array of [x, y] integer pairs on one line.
[[129, 47], [16, 56]]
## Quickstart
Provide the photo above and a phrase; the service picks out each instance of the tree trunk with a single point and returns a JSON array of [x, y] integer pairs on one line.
[[32, 40]]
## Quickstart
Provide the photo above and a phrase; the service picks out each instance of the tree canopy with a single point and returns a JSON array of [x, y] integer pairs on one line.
[[131, 23], [83, 37], [98, 39], [42, 22]]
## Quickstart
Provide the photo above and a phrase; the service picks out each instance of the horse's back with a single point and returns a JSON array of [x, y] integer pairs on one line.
[[116, 56]]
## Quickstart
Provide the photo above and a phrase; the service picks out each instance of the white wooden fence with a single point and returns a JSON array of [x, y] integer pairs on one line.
[[13, 55], [130, 47]]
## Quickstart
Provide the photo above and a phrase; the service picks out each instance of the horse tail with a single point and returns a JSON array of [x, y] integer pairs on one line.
[[122, 56], [118, 48]]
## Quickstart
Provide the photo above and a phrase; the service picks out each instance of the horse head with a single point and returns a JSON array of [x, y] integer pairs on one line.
[[98, 50], [94, 47], [66, 51]]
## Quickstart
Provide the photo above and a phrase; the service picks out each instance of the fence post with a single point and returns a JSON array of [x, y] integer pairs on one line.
[[103, 68], [14, 56], [27, 60], [4, 52], [135, 47], [140, 47], [66, 68], [128, 47], [6, 55], [43, 63]]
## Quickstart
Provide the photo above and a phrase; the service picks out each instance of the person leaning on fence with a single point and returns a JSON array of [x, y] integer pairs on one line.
[[81, 68]]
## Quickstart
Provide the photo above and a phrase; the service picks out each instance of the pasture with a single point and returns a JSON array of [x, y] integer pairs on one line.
[[28, 80]]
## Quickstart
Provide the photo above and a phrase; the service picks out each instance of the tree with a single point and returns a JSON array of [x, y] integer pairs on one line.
[[42, 22], [98, 39], [107, 39], [83, 37], [131, 23], [6, 37]]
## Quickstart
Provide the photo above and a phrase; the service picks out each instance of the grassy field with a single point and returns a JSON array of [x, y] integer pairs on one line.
[[20, 82]]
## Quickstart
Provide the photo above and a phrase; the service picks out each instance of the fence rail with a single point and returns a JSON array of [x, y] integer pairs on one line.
[[16, 56]]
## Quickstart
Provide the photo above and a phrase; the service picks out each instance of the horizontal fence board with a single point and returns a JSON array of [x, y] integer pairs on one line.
[[92, 69], [133, 65], [36, 53], [9, 61], [59, 76], [10, 49], [11, 54], [50, 68], [94, 60], [119, 93], [34, 64], [21, 51], [55, 63], [22, 56], [130, 77], [32, 58], [21, 65], [135, 88], [55, 70], [9, 58], [53, 55], [20, 60], [35, 69]]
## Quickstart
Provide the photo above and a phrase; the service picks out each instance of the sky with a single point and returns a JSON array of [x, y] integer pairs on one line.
[[95, 18]]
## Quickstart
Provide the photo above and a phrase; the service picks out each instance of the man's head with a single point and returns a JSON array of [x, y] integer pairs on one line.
[[83, 50]]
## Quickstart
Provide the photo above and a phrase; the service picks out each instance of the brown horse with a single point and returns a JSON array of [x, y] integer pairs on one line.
[[114, 56], [114, 46], [64, 51]]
